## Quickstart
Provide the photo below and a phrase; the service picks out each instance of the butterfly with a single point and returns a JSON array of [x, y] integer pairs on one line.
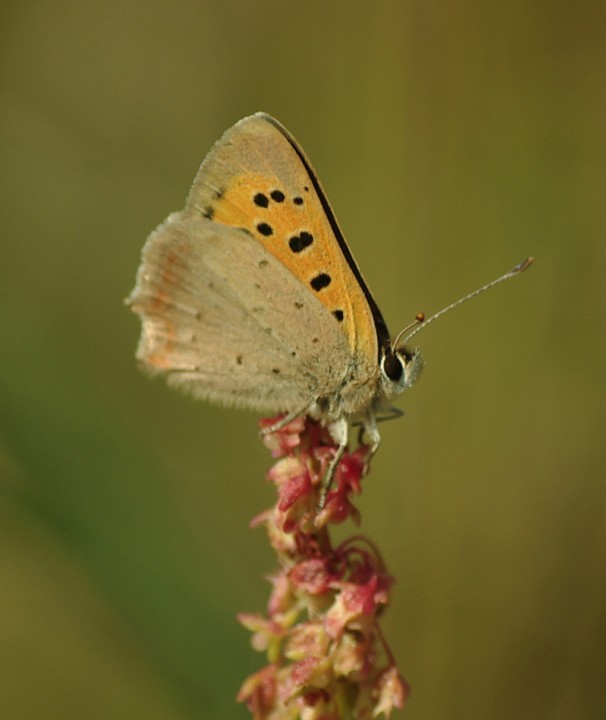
[[251, 297]]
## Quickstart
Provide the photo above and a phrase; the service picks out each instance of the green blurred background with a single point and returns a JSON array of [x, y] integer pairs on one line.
[[453, 140]]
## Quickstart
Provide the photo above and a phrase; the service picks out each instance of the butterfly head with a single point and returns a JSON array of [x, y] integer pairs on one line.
[[400, 368]]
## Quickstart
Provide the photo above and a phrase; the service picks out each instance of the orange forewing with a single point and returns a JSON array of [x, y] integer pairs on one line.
[[254, 179]]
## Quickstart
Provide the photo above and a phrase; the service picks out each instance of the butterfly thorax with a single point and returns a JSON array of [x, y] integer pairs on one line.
[[361, 395]]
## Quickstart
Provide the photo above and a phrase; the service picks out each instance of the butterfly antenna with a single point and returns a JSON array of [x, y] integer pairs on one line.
[[420, 318]]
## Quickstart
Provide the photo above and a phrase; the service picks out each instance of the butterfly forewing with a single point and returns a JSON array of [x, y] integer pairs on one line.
[[258, 179]]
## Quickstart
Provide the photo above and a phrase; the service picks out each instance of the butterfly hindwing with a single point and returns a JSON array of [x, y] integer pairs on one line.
[[228, 321]]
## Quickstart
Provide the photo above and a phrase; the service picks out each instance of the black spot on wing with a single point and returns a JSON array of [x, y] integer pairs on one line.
[[320, 281], [265, 229], [298, 243], [338, 314], [261, 200], [277, 196]]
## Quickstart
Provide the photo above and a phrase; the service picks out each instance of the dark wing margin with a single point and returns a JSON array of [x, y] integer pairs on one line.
[[383, 338]]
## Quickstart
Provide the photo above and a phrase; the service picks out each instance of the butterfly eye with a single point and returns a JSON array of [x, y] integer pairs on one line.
[[400, 369], [392, 366]]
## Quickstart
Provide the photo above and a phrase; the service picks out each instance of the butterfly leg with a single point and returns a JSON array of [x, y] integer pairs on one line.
[[390, 413], [339, 431], [372, 431], [369, 426], [283, 422]]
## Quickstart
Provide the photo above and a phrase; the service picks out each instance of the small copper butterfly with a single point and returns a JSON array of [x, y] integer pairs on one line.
[[250, 296]]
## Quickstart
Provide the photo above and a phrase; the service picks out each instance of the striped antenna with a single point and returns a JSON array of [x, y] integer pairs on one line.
[[421, 323]]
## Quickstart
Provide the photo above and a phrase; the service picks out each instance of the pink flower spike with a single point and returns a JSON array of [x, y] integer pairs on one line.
[[307, 640], [327, 657], [353, 602], [266, 632], [281, 599], [311, 674], [286, 469], [353, 468], [312, 576], [258, 691], [351, 654], [282, 441], [392, 692], [296, 489]]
